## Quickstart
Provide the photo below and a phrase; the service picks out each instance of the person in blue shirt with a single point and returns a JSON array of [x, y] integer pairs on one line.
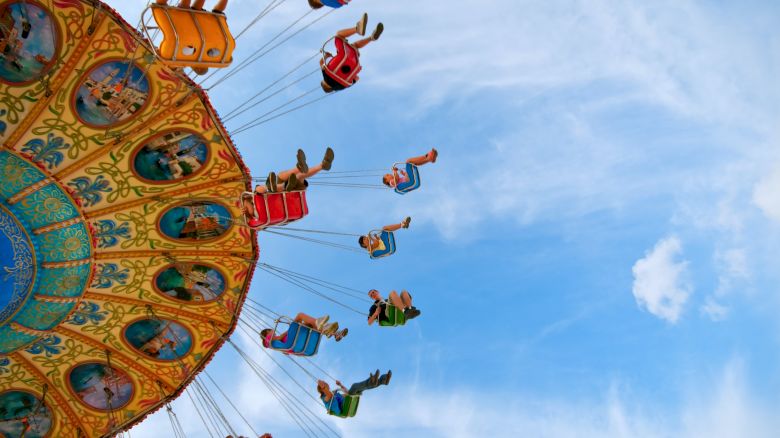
[[316, 4], [357, 388]]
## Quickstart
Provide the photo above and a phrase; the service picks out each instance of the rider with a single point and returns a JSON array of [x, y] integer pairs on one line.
[[292, 179], [377, 312], [331, 83], [326, 395], [316, 4], [374, 243], [319, 324], [295, 179], [400, 176]]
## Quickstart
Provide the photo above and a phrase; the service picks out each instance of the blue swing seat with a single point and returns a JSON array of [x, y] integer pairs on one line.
[[301, 340], [414, 179], [388, 239]]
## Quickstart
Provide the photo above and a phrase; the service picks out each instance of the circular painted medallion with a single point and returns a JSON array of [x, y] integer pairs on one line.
[[195, 221], [111, 93], [17, 264], [100, 386], [171, 156], [23, 414], [28, 42], [190, 282], [160, 339]]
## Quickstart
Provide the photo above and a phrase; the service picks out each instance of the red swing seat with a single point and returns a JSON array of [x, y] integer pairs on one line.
[[275, 208], [346, 56]]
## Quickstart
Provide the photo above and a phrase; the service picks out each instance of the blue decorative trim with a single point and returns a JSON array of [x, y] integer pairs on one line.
[[23, 267]]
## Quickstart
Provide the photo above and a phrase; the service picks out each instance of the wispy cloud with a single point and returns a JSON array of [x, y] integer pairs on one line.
[[766, 195], [655, 52], [547, 75], [722, 407], [660, 283]]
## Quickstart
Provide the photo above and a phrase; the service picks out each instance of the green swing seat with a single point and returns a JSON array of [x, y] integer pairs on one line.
[[395, 317], [348, 408]]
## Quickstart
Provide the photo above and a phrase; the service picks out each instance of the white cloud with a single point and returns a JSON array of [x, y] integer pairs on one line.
[[721, 407], [733, 270], [714, 310], [569, 65], [766, 195], [660, 283], [729, 409], [734, 266], [522, 48]]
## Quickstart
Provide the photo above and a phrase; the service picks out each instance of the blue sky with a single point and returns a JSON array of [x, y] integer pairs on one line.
[[594, 252]]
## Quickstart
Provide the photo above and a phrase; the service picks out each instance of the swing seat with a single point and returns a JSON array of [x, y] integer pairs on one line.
[[275, 208], [348, 408], [191, 38], [395, 317], [301, 340], [414, 179], [388, 239], [334, 3], [344, 67]]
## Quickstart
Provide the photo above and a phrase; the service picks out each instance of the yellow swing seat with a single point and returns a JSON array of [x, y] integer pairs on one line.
[[192, 38]]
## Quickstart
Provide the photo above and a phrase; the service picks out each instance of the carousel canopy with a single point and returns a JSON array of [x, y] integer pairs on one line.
[[123, 265]]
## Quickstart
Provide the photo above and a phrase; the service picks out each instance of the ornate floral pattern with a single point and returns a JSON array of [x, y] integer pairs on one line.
[[47, 206], [88, 312], [108, 273], [49, 346], [90, 191], [108, 232], [46, 152], [16, 174], [71, 243]]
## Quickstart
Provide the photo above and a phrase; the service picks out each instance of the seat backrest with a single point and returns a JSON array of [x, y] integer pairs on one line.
[[304, 333], [349, 408], [277, 210], [260, 218], [395, 317], [292, 334], [206, 33], [313, 344], [346, 56], [388, 238], [296, 205], [414, 180]]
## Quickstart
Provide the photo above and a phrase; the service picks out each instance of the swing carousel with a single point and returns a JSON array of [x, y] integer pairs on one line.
[[126, 251]]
